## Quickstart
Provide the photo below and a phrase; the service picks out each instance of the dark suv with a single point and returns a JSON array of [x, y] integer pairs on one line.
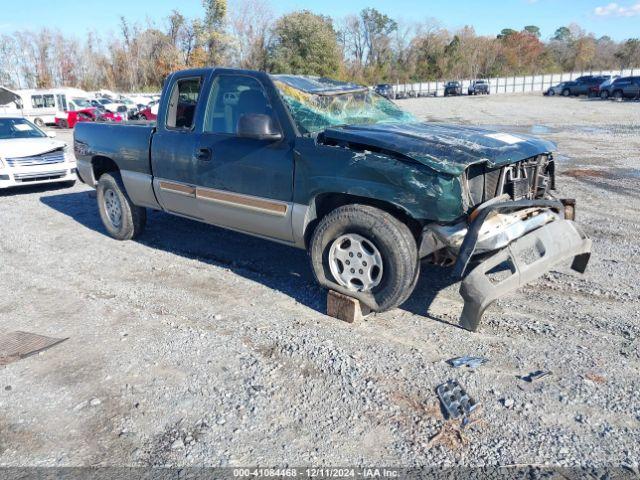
[[583, 85], [625, 87], [452, 88], [478, 87], [386, 90]]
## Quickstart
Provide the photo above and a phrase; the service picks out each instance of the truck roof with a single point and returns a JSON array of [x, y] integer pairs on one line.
[[306, 83], [318, 85]]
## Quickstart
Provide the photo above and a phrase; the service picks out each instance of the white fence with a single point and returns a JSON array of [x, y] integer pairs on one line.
[[533, 83]]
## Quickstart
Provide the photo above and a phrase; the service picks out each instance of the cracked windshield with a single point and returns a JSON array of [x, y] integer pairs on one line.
[[318, 103]]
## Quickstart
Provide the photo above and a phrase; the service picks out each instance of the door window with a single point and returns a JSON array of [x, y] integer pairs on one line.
[[182, 103], [49, 101], [231, 97], [62, 102], [37, 101]]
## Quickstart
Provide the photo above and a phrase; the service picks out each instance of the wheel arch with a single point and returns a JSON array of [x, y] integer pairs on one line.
[[101, 164], [324, 203]]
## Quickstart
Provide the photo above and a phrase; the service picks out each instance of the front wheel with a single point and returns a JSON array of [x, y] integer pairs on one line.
[[566, 92], [122, 219], [604, 95], [366, 253]]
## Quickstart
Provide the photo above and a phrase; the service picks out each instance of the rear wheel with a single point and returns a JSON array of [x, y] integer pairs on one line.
[[366, 253], [618, 95], [122, 219], [566, 92]]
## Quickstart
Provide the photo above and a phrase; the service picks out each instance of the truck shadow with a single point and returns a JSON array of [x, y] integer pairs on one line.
[[279, 267]]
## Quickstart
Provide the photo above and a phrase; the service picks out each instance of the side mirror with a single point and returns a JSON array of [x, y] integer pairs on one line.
[[51, 134], [258, 126]]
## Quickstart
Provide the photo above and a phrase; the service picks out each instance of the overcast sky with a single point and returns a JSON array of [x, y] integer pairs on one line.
[[619, 20]]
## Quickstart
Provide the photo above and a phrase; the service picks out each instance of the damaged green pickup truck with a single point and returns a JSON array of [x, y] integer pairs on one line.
[[338, 170]]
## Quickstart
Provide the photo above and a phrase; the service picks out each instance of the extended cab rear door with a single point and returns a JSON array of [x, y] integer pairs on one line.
[[172, 148]]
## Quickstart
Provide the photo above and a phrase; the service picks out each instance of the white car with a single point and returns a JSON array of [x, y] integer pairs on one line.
[[30, 156], [109, 105]]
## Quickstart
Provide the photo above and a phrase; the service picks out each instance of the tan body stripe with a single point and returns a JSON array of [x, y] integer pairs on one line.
[[243, 201], [178, 188]]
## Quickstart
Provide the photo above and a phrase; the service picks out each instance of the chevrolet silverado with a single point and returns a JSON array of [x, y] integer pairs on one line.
[[334, 168]]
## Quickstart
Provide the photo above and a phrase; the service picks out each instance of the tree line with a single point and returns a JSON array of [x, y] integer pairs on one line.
[[367, 47]]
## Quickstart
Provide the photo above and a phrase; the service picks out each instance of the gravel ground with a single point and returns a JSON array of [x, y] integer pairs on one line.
[[198, 346]]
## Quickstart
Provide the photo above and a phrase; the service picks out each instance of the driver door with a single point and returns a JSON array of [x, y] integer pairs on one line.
[[245, 184]]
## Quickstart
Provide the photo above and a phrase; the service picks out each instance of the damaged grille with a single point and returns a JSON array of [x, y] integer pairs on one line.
[[527, 179]]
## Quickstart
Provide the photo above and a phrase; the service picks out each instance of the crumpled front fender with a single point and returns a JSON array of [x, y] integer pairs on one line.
[[527, 258]]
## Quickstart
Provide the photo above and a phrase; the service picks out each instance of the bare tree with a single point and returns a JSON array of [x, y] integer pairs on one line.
[[250, 23]]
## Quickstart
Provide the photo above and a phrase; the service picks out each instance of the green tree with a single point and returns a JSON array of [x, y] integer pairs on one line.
[[505, 32], [305, 43], [563, 34], [532, 30], [215, 12], [377, 30]]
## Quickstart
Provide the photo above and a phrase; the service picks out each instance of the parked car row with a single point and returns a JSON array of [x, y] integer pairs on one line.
[[387, 91], [603, 86], [477, 87], [453, 88]]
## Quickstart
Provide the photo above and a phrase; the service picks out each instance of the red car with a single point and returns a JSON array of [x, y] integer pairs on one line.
[[70, 119], [150, 112]]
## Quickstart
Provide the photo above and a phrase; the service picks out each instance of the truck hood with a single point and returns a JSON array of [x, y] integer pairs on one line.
[[28, 147], [445, 148]]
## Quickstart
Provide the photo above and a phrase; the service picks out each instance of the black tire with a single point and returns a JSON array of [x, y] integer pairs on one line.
[[566, 92], [618, 95], [132, 218], [389, 235], [604, 95]]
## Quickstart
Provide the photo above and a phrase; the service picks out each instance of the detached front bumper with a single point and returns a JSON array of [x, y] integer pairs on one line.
[[523, 260], [529, 236]]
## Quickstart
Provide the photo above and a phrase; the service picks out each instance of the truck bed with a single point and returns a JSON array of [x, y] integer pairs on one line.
[[126, 143]]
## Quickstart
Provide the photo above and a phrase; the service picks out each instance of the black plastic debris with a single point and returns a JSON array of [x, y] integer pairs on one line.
[[455, 401], [466, 361], [537, 375]]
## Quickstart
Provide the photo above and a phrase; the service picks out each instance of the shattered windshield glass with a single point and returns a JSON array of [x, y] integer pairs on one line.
[[316, 104]]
